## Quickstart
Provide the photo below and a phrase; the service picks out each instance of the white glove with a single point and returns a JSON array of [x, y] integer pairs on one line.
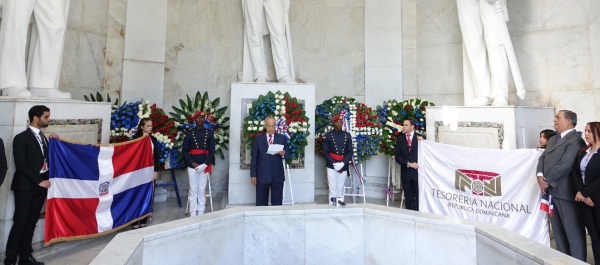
[[337, 166], [201, 168]]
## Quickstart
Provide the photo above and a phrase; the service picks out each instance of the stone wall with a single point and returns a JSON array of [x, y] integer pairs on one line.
[[557, 44], [204, 47], [204, 53]]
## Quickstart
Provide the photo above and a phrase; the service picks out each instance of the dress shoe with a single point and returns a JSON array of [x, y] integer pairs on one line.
[[261, 79], [341, 203], [16, 91], [287, 79], [29, 261], [500, 101], [479, 102], [49, 93]]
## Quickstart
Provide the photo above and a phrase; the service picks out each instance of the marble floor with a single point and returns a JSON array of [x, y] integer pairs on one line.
[[165, 212]]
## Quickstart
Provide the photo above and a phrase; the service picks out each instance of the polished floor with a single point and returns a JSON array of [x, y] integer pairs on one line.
[[164, 212]]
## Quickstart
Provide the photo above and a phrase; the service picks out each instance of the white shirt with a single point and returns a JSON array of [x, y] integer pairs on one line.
[[272, 137], [409, 138], [562, 135], [585, 161], [36, 132]]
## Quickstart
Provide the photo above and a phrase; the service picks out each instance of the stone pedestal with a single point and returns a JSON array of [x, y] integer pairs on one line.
[[489, 127], [241, 191], [72, 119]]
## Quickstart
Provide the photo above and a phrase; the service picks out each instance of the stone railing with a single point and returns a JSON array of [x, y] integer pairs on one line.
[[321, 234]]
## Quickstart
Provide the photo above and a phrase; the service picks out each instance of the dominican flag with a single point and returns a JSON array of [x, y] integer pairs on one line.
[[97, 189], [547, 205]]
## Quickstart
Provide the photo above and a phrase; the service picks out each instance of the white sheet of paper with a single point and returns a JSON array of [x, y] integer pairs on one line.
[[274, 149]]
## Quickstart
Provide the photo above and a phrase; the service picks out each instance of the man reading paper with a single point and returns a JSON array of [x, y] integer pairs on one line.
[[266, 170]]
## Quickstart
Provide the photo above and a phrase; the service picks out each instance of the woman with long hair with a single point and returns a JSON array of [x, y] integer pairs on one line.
[[544, 137], [145, 127], [586, 179]]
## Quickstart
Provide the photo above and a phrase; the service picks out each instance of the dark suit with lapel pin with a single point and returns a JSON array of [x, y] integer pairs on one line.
[[29, 197], [409, 176], [556, 164], [268, 169]]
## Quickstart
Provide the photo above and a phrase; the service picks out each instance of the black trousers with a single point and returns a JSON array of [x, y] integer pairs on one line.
[[411, 194], [28, 205], [262, 194], [591, 219]]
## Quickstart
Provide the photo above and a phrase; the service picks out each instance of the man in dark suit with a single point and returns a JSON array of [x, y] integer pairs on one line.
[[337, 151], [30, 185], [406, 154], [266, 171], [3, 163], [198, 150], [553, 169]]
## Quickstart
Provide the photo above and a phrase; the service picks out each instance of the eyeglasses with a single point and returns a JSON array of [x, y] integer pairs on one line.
[[270, 126]]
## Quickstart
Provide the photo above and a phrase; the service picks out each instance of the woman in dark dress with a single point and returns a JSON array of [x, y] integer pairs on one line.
[[145, 127], [586, 179]]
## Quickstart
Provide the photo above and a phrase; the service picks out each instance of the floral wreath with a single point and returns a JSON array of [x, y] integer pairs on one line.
[[393, 113], [185, 121], [362, 121], [290, 120], [125, 119]]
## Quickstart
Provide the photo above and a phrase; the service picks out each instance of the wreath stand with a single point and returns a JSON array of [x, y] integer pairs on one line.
[[289, 177], [354, 187], [390, 184]]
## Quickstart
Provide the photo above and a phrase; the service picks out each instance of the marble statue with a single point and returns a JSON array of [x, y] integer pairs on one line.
[[262, 17], [41, 72], [487, 53]]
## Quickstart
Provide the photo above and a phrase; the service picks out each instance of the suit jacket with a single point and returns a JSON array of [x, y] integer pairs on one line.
[[268, 168], [591, 187], [336, 139], [29, 161], [403, 156], [3, 163], [200, 139], [556, 163]]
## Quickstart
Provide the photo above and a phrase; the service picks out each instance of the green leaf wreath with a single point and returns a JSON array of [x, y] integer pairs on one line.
[[393, 113], [290, 118], [215, 121]]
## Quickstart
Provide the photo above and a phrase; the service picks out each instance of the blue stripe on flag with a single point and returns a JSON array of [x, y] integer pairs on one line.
[[131, 204], [73, 161]]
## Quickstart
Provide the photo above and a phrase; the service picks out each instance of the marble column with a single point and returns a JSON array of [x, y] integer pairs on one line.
[[144, 51], [383, 74]]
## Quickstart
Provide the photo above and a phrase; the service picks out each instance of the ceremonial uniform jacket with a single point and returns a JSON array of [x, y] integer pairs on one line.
[[202, 139], [339, 143]]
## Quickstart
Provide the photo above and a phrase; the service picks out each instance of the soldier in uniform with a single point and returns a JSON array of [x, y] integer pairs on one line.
[[337, 150], [198, 152]]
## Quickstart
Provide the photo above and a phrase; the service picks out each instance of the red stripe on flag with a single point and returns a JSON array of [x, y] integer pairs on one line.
[[131, 157], [70, 217]]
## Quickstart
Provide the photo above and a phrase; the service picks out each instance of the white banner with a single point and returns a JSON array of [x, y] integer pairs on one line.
[[490, 185]]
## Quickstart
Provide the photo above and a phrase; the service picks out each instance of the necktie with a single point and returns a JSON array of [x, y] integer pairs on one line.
[[270, 139], [409, 141], [558, 138], [42, 140]]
